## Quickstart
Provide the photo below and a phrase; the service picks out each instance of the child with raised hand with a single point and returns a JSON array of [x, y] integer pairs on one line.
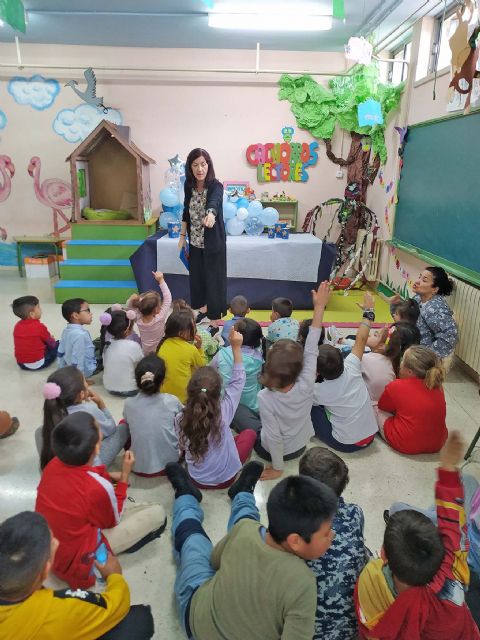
[[181, 350], [213, 455], [239, 308], [35, 347], [412, 409], [416, 590], [283, 326], [150, 416], [76, 346], [120, 355], [151, 313], [337, 570], [210, 345], [402, 311], [67, 392], [84, 511], [286, 401], [27, 552], [247, 415], [342, 414]]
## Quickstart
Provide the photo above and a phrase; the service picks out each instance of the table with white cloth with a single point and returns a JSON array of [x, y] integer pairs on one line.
[[257, 267]]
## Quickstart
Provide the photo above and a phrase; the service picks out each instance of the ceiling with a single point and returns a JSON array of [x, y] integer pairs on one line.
[[183, 24]]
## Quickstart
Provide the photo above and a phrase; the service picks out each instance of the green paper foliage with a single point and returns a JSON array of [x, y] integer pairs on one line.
[[320, 110], [13, 13]]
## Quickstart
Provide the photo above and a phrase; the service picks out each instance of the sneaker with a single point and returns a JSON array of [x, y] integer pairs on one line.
[[332, 335], [201, 315], [213, 331], [181, 482], [247, 479]]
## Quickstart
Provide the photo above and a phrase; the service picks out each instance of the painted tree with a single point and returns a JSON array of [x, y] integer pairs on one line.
[[320, 110]]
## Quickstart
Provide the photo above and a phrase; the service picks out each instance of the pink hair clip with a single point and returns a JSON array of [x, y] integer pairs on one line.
[[105, 319], [116, 307], [51, 390], [131, 315]]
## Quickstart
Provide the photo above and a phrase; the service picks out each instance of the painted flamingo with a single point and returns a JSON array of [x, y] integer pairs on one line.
[[7, 171], [53, 193]]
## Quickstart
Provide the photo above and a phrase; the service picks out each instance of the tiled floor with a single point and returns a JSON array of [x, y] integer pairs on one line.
[[377, 477]]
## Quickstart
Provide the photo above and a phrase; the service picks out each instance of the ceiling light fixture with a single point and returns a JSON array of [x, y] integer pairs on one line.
[[257, 17]]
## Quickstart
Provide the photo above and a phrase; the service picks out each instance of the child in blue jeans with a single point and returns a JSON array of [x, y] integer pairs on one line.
[[253, 584]]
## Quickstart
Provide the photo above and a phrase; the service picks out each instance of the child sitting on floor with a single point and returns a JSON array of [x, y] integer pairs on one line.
[[247, 415], [210, 344], [181, 350], [66, 392], [412, 409], [303, 330], [213, 455], [342, 414], [29, 610], [239, 309], [120, 355], [416, 590], [76, 346], [283, 325], [151, 313], [286, 401], [150, 417], [79, 502], [338, 569], [35, 347], [254, 584]]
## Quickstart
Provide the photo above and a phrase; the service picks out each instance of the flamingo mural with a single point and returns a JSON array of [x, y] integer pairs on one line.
[[7, 171], [53, 193]]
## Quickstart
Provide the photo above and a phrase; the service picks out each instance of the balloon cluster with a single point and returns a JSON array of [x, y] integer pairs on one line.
[[172, 194], [249, 216]]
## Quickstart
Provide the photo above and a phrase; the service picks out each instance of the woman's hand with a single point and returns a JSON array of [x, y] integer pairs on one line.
[[209, 220], [181, 242]]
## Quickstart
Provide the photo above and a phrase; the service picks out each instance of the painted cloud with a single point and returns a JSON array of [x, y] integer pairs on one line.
[[75, 124], [37, 92], [3, 120]]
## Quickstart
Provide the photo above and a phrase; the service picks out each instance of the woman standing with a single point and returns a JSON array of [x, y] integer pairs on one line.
[[203, 222]]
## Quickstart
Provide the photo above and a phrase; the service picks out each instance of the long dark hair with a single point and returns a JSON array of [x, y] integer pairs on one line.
[[441, 280], [181, 321], [149, 374], [404, 335], [252, 334], [190, 180], [118, 326], [201, 417], [71, 382]]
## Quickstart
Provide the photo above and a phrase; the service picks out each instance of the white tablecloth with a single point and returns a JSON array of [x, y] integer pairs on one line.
[[258, 257]]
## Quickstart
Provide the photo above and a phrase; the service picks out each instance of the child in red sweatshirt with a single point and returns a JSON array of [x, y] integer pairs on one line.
[[35, 347]]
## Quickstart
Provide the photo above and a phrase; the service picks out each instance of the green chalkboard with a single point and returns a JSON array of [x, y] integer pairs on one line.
[[438, 213]]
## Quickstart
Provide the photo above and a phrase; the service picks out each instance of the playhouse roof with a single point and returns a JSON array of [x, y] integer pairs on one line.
[[105, 130]]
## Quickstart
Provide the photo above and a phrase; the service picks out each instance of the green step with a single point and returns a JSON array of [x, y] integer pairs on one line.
[[98, 291], [117, 231], [102, 249], [76, 269]]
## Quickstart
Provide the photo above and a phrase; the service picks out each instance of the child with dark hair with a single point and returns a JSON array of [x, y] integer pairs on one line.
[[120, 355], [303, 330], [283, 326], [29, 610], [337, 570], [151, 313], [406, 311], [66, 392], [83, 509], [181, 350], [253, 584], [150, 416], [213, 455], [210, 344], [342, 414], [286, 401], [416, 590], [247, 414], [239, 308], [35, 347], [76, 347]]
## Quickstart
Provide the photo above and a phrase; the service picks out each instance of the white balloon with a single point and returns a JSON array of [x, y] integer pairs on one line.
[[242, 213]]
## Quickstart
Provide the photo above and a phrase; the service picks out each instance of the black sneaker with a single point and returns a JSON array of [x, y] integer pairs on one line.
[[213, 331], [201, 315], [247, 479], [180, 481]]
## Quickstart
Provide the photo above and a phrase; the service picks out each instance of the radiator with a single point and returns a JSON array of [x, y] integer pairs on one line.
[[465, 304], [371, 271]]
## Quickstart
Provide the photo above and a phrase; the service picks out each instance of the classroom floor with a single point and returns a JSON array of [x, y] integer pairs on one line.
[[378, 476]]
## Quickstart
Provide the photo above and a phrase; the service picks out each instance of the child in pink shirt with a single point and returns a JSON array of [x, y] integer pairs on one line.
[[151, 314]]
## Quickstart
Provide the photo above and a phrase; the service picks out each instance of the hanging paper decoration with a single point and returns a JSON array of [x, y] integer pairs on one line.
[[369, 113], [90, 94], [13, 13], [338, 9], [359, 50]]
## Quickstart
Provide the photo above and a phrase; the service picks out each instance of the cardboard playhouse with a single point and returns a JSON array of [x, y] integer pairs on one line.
[[110, 178]]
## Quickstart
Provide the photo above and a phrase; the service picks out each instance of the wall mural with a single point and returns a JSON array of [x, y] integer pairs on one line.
[[3, 120], [74, 125], [7, 171], [36, 92], [53, 193]]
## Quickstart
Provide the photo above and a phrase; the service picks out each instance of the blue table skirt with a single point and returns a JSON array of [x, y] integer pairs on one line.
[[259, 292]]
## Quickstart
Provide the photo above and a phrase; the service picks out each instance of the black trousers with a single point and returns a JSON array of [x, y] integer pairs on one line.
[[208, 281], [137, 625]]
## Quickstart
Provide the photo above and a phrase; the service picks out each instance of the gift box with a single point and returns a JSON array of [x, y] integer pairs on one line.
[[40, 266], [174, 229]]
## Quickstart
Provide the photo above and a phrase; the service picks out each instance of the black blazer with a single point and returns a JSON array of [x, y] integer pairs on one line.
[[214, 238]]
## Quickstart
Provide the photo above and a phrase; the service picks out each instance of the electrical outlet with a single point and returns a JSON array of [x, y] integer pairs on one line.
[[339, 174]]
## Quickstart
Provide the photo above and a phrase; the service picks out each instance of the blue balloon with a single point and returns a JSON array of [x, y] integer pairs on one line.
[[166, 217], [229, 211], [242, 202], [253, 226], [269, 216], [255, 208], [235, 227], [169, 197]]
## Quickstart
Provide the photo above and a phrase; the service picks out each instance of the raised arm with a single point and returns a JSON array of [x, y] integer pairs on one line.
[[363, 332]]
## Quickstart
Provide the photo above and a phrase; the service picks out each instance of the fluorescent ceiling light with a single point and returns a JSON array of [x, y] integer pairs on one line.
[[261, 21]]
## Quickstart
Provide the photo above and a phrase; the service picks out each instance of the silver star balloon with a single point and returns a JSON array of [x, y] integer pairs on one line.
[[177, 163]]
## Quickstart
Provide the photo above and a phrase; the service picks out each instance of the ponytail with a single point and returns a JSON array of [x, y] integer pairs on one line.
[[425, 364], [435, 377], [398, 339], [115, 321]]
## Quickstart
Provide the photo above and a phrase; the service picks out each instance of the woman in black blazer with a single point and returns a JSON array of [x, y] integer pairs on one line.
[[203, 222]]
